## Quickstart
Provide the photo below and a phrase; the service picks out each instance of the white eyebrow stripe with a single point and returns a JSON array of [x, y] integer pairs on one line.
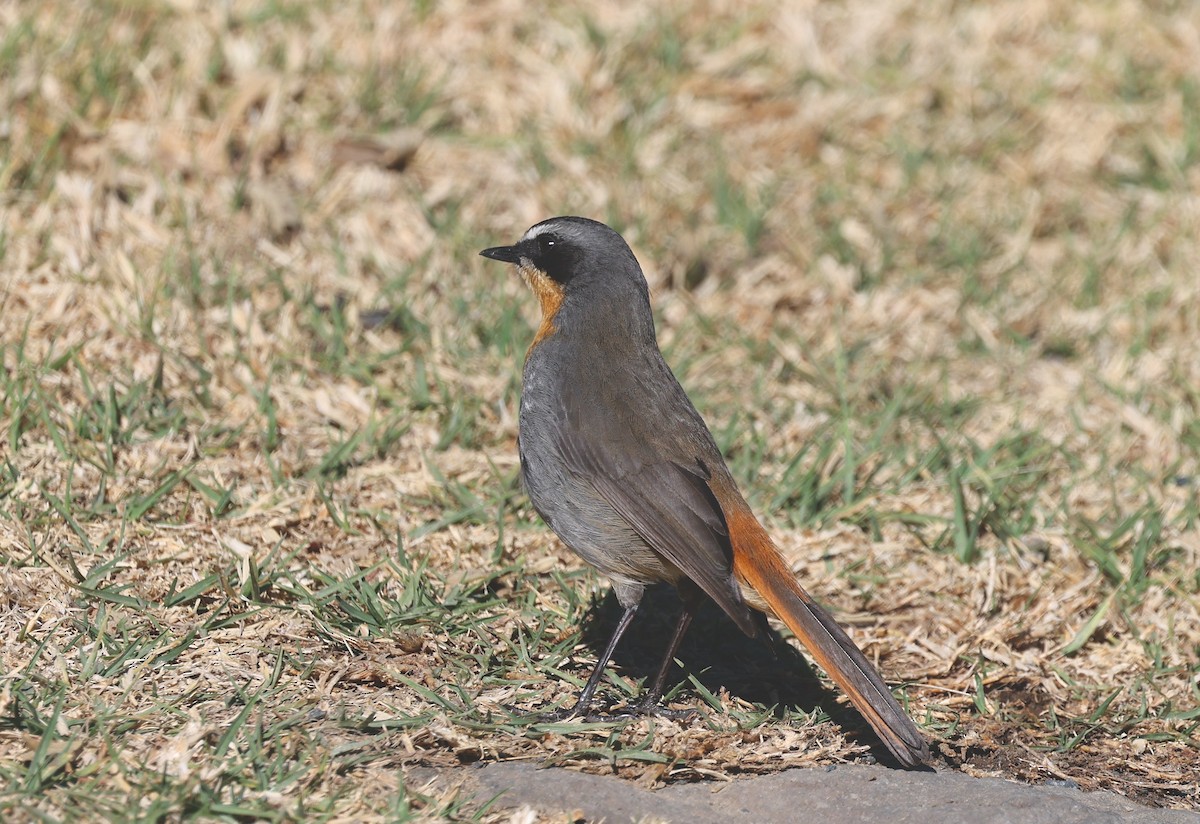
[[540, 229]]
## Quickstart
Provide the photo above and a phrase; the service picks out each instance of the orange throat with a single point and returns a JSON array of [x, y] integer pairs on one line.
[[550, 297]]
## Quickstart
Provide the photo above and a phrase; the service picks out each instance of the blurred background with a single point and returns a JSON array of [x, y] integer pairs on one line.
[[928, 269]]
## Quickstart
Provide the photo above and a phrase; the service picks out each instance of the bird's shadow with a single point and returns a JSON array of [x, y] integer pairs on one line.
[[767, 670]]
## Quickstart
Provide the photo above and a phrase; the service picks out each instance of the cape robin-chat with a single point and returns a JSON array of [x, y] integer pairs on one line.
[[621, 466]]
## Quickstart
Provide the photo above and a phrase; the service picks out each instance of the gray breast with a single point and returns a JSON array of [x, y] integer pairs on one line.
[[566, 499]]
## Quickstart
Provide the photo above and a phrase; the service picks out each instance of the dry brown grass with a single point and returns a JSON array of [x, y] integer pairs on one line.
[[959, 244]]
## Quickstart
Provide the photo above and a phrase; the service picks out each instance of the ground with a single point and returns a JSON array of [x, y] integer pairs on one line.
[[927, 269]]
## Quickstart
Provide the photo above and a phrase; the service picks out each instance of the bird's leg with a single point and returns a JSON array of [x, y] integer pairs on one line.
[[589, 689], [649, 703]]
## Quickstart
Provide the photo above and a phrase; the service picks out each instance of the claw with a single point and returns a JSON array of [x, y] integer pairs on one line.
[[656, 710]]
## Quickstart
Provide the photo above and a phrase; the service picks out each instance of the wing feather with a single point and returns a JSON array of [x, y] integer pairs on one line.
[[669, 505]]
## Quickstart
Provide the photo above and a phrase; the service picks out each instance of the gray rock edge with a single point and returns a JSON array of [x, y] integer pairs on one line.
[[834, 795]]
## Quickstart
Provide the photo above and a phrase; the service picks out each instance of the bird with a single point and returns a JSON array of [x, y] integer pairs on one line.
[[620, 465]]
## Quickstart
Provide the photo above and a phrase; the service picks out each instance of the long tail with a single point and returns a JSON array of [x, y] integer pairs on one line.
[[758, 563]]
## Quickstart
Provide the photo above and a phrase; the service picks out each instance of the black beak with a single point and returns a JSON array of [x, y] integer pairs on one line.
[[507, 254]]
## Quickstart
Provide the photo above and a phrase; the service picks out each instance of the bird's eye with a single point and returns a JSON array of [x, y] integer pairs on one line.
[[555, 256]]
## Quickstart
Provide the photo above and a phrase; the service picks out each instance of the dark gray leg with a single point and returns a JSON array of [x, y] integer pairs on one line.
[[656, 686], [589, 689]]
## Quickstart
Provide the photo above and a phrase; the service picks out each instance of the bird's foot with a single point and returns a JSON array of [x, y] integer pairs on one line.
[[561, 714], [653, 709], [642, 709]]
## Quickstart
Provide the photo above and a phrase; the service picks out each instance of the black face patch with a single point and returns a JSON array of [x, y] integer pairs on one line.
[[554, 255]]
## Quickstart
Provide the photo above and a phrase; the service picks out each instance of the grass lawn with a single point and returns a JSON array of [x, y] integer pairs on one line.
[[929, 270]]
